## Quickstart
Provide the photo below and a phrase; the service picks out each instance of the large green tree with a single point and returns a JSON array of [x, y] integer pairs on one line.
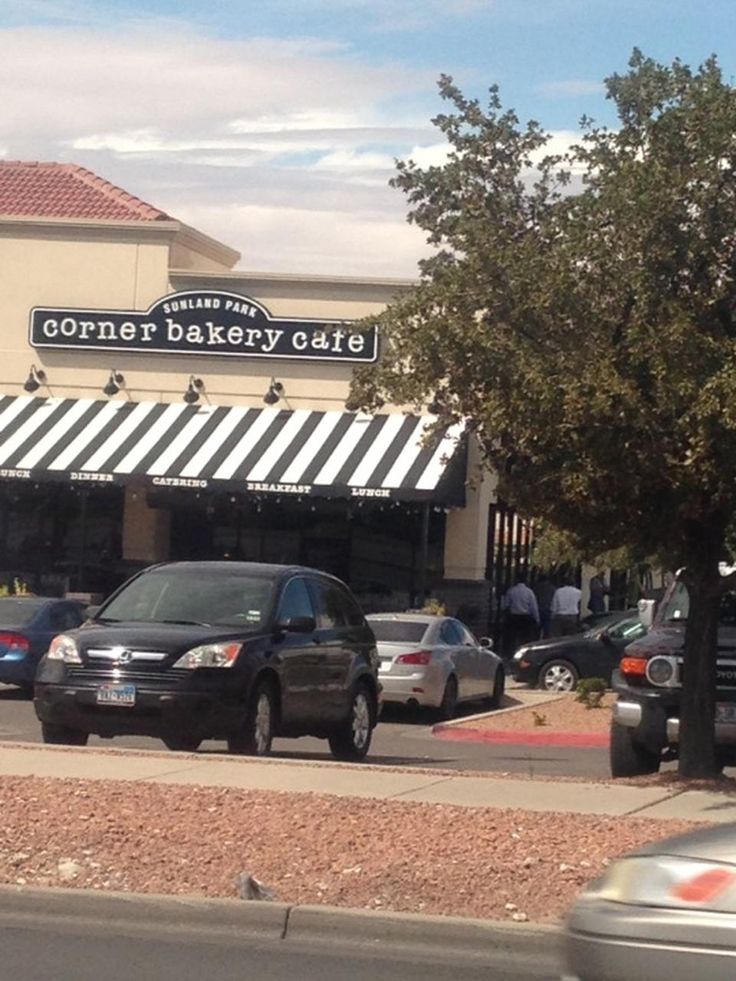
[[579, 312]]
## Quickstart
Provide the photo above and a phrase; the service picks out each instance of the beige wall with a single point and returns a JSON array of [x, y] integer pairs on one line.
[[129, 266], [466, 534]]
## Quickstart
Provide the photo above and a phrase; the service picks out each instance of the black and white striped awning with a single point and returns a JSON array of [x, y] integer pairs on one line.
[[270, 451]]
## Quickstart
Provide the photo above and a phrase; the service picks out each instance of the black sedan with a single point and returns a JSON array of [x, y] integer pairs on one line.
[[28, 624], [557, 664], [217, 650]]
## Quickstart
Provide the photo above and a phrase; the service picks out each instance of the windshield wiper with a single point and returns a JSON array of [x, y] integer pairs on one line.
[[185, 623]]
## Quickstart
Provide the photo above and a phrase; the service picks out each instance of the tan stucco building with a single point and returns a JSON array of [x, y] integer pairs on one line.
[[101, 291]]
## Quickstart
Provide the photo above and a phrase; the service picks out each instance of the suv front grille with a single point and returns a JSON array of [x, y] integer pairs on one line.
[[725, 673]]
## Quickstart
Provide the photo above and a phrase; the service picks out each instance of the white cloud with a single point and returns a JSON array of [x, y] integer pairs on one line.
[[284, 138]]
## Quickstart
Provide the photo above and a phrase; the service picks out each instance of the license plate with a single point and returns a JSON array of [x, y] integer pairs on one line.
[[116, 695], [726, 712]]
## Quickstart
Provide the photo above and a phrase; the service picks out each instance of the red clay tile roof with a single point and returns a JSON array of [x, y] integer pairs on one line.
[[64, 190]]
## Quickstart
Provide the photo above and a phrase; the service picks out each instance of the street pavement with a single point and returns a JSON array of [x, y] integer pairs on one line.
[[88, 936], [401, 739]]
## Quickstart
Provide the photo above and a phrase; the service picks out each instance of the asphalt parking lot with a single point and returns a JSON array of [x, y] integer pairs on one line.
[[401, 739]]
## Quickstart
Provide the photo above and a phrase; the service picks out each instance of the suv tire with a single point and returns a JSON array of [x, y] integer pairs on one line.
[[63, 735], [630, 758], [182, 743], [351, 740], [256, 734]]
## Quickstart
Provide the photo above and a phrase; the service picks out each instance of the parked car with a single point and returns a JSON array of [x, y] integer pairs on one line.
[[217, 650], [558, 664], [434, 661], [28, 624], [667, 912], [648, 683]]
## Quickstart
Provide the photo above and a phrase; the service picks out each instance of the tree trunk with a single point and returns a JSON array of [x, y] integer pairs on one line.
[[697, 711]]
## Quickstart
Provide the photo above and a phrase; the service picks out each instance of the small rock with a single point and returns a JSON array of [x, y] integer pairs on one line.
[[250, 888], [18, 858], [511, 907], [68, 869], [353, 870], [21, 881], [520, 917], [528, 861], [566, 868], [585, 865]]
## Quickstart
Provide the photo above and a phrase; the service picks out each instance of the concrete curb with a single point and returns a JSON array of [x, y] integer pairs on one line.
[[233, 920], [521, 737], [535, 698]]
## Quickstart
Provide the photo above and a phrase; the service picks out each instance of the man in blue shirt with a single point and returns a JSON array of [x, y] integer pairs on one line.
[[521, 616]]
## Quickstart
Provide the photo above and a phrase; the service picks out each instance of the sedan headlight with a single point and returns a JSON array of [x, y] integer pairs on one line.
[[668, 881], [210, 656], [63, 648]]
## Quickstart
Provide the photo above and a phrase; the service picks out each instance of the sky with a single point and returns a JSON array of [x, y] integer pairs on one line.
[[274, 125]]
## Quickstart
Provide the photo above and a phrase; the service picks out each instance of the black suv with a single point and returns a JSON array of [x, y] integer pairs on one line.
[[646, 718], [216, 650]]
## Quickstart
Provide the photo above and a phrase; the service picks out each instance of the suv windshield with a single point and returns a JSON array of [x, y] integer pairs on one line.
[[676, 606], [177, 596]]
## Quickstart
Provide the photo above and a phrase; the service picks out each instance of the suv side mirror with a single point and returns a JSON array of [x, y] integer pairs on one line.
[[486, 643], [297, 625]]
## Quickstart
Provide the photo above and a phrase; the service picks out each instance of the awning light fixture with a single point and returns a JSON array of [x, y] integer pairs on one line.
[[115, 382], [194, 390], [36, 378], [274, 393]]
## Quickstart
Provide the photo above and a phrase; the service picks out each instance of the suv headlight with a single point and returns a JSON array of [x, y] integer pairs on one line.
[[63, 648], [662, 671], [520, 653], [210, 656]]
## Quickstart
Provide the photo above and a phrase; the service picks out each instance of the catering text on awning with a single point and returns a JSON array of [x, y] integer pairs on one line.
[[263, 451]]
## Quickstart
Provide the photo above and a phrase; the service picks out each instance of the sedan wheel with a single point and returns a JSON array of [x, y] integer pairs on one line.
[[558, 676], [448, 705], [499, 687]]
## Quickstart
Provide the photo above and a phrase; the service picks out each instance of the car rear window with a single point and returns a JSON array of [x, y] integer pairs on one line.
[[18, 612], [219, 599], [398, 630]]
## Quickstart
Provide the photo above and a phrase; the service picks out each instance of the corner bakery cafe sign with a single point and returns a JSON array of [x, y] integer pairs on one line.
[[202, 322]]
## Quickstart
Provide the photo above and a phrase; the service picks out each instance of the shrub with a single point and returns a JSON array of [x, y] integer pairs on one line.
[[590, 692]]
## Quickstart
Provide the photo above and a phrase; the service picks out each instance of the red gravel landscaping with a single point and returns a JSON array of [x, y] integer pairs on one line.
[[308, 848]]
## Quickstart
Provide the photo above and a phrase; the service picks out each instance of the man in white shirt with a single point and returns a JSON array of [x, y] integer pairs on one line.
[[521, 617], [566, 610]]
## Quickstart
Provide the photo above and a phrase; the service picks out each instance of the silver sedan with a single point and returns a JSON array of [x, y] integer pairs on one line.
[[434, 661], [664, 913]]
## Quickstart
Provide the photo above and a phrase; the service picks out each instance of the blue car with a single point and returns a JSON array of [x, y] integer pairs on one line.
[[27, 626]]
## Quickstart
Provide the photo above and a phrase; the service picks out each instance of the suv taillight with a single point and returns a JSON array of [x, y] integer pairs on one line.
[[416, 657]]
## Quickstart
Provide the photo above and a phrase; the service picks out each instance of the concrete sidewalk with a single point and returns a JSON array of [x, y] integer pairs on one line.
[[366, 781]]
